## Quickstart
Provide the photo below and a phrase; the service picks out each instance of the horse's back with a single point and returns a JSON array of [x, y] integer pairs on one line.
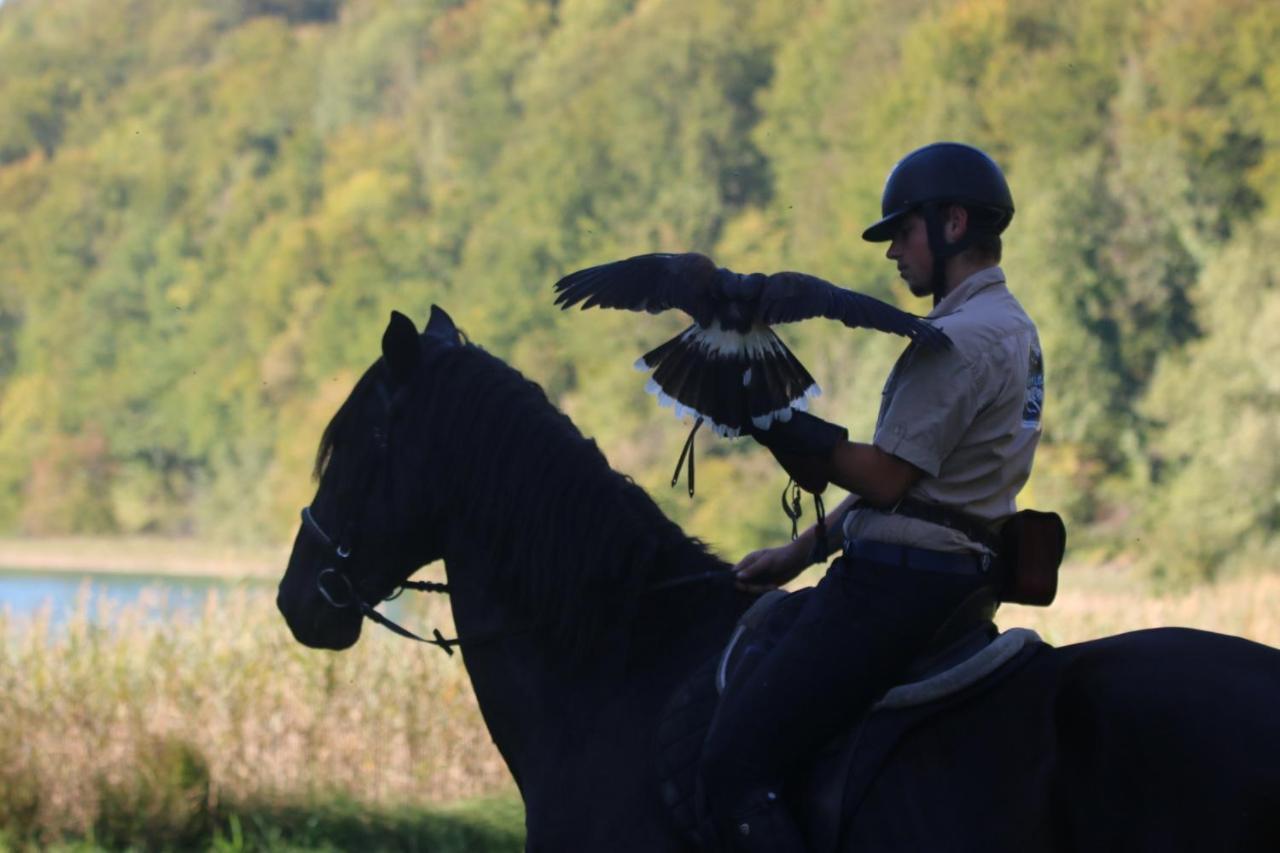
[[1168, 740], [1154, 740]]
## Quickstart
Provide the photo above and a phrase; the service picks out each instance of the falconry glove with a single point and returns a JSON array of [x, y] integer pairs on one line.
[[803, 444]]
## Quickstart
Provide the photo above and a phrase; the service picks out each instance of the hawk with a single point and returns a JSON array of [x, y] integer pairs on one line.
[[729, 368]]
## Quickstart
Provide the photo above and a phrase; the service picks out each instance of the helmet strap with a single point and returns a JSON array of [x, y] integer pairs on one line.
[[942, 251]]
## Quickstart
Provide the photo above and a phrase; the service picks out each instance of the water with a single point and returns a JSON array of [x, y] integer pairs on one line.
[[24, 593]]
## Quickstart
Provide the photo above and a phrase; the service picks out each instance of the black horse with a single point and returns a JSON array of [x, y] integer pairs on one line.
[[575, 628]]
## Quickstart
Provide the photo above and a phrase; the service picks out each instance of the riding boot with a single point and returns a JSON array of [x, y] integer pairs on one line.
[[763, 826]]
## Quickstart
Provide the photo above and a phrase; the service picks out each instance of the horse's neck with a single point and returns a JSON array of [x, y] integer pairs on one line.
[[669, 633], [562, 726]]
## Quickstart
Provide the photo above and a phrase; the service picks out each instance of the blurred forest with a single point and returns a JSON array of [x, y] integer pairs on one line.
[[208, 208]]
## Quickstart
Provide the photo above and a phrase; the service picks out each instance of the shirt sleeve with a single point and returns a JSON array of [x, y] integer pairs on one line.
[[930, 403]]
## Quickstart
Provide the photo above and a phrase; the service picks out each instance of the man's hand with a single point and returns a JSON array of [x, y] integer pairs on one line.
[[803, 446], [770, 568]]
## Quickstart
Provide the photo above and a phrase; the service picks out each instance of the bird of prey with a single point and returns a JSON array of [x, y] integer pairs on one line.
[[729, 368]]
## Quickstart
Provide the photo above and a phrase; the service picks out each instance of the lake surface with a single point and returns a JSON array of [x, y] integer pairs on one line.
[[25, 592]]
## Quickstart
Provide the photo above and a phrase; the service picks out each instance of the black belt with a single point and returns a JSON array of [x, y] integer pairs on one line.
[[921, 559], [974, 528]]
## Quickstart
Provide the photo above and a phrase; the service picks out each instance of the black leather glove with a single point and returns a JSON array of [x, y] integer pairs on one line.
[[803, 435], [803, 446]]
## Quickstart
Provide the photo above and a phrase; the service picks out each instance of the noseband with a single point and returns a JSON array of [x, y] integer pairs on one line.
[[344, 593]]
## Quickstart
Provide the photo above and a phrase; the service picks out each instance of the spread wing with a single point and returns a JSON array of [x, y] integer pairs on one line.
[[791, 296], [650, 283]]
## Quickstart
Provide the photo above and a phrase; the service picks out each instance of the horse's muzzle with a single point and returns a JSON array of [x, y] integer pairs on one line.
[[316, 624]]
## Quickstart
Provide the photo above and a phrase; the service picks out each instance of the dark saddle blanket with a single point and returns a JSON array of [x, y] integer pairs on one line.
[[833, 785]]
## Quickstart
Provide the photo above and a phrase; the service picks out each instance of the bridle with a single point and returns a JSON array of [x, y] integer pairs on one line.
[[347, 596]]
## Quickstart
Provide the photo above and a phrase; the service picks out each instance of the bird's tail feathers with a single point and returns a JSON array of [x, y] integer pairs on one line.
[[657, 355], [701, 373], [783, 384], [680, 369]]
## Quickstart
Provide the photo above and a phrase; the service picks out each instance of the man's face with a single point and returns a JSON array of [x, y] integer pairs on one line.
[[910, 250]]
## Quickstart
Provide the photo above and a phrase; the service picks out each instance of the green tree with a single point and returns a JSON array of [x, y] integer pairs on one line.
[[1215, 480]]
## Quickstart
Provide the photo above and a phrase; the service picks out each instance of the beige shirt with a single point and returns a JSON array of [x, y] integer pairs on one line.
[[968, 417]]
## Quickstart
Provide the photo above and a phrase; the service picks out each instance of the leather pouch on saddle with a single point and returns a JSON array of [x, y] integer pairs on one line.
[[1032, 544], [802, 446]]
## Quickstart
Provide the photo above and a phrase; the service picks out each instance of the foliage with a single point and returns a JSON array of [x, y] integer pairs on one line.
[[207, 210], [1216, 458]]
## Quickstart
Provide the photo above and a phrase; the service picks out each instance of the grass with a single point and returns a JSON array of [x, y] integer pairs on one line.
[[493, 825], [158, 728], [480, 826], [216, 730], [1100, 600]]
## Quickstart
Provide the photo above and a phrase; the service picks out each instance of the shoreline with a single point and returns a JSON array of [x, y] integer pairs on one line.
[[185, 558]]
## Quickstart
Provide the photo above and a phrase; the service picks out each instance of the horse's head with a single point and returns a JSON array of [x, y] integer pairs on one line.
[[373, 520]]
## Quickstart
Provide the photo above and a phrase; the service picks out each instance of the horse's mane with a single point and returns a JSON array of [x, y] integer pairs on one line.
[[341, 429], [581, 540], [563, 537]]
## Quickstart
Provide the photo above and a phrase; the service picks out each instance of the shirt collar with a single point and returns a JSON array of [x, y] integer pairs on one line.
[[968, 289]]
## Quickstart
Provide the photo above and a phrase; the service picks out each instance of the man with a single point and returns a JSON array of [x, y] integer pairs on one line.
[[953, 445]]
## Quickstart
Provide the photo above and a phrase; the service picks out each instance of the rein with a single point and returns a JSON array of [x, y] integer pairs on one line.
[[349, 597]]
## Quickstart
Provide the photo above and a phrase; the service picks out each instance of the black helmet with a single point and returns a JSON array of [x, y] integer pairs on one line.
[[943, 173]]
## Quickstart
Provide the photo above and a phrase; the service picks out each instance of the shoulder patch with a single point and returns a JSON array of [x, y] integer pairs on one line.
[[1033, 403]]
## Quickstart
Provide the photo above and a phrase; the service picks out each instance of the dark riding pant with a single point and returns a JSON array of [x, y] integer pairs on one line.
[[855, 637]]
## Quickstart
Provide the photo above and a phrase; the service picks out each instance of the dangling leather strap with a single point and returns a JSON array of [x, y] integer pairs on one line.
[[791, 508], [819, 551], [687, 451]]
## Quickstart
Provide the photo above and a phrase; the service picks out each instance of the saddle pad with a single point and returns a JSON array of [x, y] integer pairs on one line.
[[969, 671]]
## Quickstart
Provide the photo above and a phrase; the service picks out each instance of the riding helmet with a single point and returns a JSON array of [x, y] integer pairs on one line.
[[943, 173]]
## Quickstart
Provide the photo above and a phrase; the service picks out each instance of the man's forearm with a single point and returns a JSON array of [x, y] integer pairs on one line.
[[869, 474], [867, 471]]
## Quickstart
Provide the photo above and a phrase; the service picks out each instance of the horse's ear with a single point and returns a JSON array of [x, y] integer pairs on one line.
[[441, 327], [401, 349]]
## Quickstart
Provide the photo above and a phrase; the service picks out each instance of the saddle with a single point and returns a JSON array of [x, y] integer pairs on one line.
[[966, 656]]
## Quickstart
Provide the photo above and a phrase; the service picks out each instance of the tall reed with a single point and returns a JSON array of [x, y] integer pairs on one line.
[[1100, 600], [118, 713], [147, 727]]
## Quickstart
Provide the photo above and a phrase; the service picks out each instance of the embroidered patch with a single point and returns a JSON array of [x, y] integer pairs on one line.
[[1034, 400]]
